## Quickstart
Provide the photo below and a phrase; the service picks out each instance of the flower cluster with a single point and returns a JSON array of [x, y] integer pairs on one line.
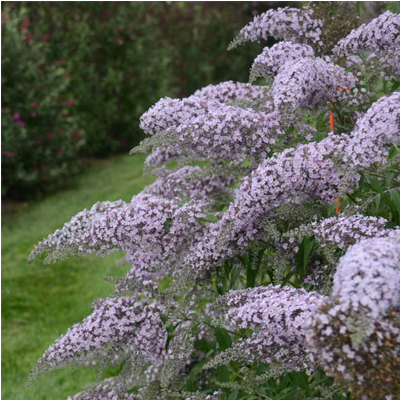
[[290, 24], [276, 315], [143, 224], [375, 130], [345, 231], [368, 277], [380, 35], [272, 59], [104, 392], [117, 325], [227, 132], [169, 113], [182, 184], [308, 82], [379, 39]]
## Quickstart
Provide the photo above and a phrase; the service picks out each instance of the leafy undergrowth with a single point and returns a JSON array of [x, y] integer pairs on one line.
[[40, 302]]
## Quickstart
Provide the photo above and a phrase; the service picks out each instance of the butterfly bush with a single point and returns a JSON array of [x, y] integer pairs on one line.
[[263, 248]]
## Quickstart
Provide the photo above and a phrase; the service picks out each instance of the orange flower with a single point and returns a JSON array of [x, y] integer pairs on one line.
[[331, 121], [337, 208]]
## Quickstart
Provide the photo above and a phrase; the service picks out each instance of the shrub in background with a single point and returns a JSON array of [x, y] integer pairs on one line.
[[199, 32], [106, 63], [40, 131]]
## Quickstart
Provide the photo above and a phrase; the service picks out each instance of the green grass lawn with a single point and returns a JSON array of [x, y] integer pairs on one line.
[[39, 302]]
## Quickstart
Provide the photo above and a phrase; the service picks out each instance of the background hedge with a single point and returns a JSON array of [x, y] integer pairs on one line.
[[76, 76]]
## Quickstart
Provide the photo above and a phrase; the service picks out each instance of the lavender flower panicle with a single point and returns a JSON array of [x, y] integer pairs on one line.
[[276, 315], [169, 113], [380, 35], [272, 59], [116, 325], [290, 24], [308, 82]]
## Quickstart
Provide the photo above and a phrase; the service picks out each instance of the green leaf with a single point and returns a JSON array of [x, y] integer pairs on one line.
[[375, 184], [389, 176], [396, 198], [223, 373], [234, 395], [223, 338], [303, 256], [377, 202]]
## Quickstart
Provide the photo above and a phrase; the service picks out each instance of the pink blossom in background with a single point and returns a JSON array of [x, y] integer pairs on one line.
[[39, 142], [8, 154], [35, 105], [25, 24], [49, 136], [60, 150], [17, 119], [46, 37], [28, 37], [70, 102], [33, 114]]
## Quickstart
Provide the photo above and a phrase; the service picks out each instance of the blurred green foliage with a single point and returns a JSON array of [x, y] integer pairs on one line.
[[78, 75]]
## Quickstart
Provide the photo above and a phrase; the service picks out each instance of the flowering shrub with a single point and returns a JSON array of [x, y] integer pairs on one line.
[[264, 260], [89, 70], [40, 133]]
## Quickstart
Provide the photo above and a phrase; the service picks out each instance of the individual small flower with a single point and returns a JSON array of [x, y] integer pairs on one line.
[[8, 154]]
